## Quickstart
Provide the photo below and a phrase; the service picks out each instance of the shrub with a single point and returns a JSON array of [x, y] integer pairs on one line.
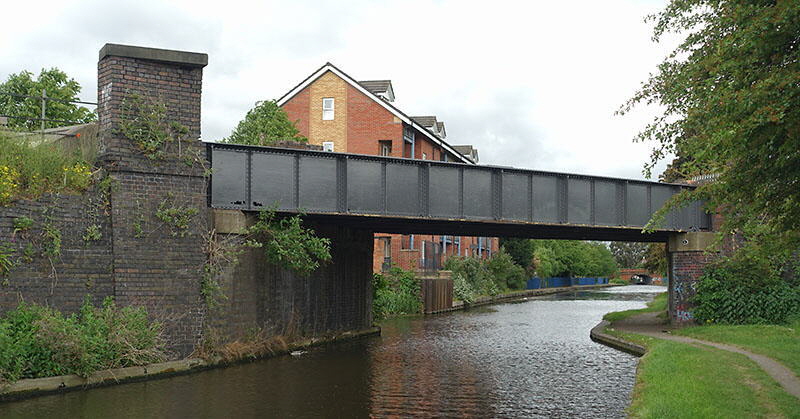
[[36, 341], [286, 242], [27, 170], [745, 289], [462, 289], [505, 273], [476, 273], [396, 292]]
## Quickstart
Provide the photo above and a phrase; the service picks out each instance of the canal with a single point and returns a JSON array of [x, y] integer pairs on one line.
[[526, 359]]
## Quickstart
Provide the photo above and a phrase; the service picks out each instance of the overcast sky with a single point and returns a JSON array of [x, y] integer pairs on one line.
[[532, 84]]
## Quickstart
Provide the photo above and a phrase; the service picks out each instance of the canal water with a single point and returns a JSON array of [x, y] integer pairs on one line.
[[526, 359]]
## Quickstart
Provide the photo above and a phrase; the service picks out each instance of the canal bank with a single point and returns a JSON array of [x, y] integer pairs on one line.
[[516, 296], [735, 375], [529, 358]]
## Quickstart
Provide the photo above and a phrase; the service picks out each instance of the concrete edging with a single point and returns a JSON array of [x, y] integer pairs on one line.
[[598, 334], [517, 295], [31, 387]]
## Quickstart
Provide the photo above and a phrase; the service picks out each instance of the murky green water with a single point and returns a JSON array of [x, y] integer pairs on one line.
[[526, 359]]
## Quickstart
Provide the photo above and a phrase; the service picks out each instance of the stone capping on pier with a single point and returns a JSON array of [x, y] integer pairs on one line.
[[182, 58]]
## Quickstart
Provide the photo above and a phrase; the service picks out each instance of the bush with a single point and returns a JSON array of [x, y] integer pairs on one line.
[[396, 292], [505, 273], [462, 289], [745, 289], [476, 273], [37, 341], [27, 171]]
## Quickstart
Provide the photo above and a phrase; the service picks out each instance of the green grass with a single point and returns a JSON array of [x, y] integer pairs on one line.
[[658, 304], [676, 380], [781, 343]]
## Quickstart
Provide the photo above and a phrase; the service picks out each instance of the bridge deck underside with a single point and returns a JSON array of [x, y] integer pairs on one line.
[[421, 196]]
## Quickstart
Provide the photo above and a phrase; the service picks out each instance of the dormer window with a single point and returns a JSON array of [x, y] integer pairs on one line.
[[327, 109]]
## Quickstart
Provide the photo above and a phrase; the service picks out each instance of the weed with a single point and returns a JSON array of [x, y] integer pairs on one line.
[[176, 217], [92, 233]]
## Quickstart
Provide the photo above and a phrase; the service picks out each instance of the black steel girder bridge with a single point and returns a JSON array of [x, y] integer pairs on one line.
[[394, 195]]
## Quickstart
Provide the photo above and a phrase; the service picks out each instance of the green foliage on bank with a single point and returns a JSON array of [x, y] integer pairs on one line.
[[395, 292], [37, 341], [659, 304], [572, 258], [265, 124], [28, 170], [474, 277], [747, 289]]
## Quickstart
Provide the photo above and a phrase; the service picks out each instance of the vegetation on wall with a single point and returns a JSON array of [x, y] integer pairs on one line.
[[395, 292], [144, 121], [265, 124], [37, 341], [287, 243], [745, 288]]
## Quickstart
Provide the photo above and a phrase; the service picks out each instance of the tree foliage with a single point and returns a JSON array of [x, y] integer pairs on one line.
[[628, 254], [572, 258], [520, 250], [730, 92], [265, 124], [57, 85]]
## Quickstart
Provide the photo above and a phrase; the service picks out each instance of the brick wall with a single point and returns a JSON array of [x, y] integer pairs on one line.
[[336, 297], [368, 122], [84, 267], [685, 268], [298, 108], [328, 85]]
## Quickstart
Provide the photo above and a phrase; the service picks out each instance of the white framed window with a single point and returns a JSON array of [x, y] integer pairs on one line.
[[327, 109], [327, 146], [385, 148], [424, 156]]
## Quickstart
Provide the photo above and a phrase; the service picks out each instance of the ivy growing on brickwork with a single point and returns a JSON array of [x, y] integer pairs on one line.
[[288, 244], [177, 217], [145, 122]]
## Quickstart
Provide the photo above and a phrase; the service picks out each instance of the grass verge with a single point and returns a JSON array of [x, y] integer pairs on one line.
[[676, 380], [779, 342], [658, 304]]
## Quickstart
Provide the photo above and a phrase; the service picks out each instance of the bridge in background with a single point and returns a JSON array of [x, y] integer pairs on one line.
[[406, 196]]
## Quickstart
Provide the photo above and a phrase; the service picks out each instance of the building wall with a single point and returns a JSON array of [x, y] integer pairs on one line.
[[328, 85], [368, 123], [298, 110]]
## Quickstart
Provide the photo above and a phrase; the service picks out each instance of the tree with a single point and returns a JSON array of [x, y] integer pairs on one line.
[[265, 124], [520, 250], [628, 254], [730, 92], [655, 259], [59, 87]]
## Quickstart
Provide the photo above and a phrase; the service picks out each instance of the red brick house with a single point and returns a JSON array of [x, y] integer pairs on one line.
[[344, 115]]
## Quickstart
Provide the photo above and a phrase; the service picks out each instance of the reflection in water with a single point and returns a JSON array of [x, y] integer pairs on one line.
[[523, 359]]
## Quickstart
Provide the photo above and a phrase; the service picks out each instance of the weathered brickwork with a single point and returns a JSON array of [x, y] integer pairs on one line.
[[336, 297], [685, 268], [83, 267], [145, 260]]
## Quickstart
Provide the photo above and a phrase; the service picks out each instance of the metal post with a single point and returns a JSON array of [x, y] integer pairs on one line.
[[44, 108]]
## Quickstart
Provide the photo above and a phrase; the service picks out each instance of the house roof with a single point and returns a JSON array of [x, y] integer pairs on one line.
[[469, 151], [388, 106], [379, 87], [426, 121]]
